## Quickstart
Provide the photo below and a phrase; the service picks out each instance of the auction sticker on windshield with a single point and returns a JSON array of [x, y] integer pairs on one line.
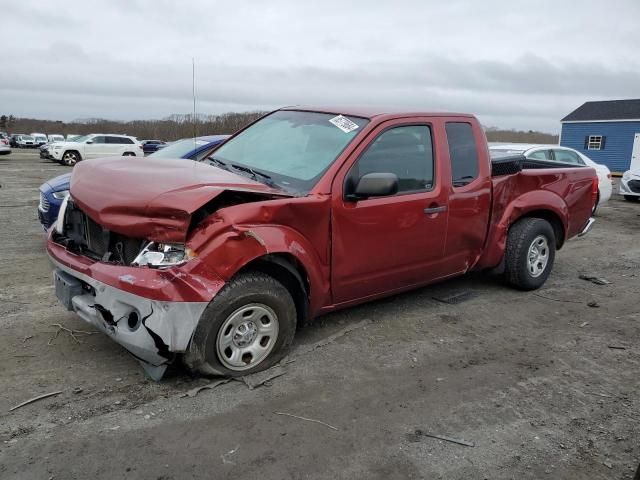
[[344, 124]]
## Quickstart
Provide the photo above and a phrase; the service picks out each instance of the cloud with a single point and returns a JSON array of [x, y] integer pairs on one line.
[[514, 67]]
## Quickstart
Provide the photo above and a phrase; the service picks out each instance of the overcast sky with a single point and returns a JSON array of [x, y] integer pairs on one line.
[[514, 63]]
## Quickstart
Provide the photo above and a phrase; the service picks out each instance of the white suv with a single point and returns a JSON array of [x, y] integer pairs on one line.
[[95, 145]]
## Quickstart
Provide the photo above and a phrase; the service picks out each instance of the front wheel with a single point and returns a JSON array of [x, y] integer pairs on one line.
[[530, 253], [70, 158], [248, 327]]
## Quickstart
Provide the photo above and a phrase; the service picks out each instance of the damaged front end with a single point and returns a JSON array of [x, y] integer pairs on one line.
[[153, 331], [146, 294]]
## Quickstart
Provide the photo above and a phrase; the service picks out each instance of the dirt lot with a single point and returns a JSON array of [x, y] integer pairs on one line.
[[544, 385]]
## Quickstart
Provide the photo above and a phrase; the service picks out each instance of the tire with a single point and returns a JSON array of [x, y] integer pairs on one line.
[[220, 346], [128, 154], [631, 198], [528, 237], [70, 158]]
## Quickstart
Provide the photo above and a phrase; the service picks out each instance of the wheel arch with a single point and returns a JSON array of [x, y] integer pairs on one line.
[[291, 273], [554, 220]]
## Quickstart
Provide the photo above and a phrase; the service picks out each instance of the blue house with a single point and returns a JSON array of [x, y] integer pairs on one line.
[[607, 132]]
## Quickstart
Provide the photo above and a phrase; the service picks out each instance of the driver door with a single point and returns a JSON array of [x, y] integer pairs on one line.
[[389, 243]]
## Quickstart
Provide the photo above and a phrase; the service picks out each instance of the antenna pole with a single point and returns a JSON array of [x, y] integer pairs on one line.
[[193, 88]]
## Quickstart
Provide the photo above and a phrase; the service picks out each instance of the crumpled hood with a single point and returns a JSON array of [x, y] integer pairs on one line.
[[152, 198]]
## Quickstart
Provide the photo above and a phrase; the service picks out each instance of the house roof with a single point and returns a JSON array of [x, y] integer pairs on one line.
[[606, 110]]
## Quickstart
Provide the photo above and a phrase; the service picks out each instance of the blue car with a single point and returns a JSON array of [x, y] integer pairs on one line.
[[150, 146], [54, 191]]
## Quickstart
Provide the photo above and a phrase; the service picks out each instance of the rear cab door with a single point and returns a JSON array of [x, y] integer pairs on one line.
[[470, 197]]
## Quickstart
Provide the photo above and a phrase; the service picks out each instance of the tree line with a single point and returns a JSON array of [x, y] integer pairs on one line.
[[178, 126], [171, 128]]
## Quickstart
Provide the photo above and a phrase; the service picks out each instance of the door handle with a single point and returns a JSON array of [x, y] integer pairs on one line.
[[432, 210]]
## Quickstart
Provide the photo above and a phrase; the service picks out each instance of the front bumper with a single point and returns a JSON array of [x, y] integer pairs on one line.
[[630, 186], [55, 154], [142, 309]]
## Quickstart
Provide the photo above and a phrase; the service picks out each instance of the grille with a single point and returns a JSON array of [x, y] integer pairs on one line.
[[44, 203], [88, 238], [634, 186]]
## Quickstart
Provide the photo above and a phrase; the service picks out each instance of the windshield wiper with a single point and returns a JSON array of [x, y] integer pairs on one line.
[[255, 174], [217, 162]]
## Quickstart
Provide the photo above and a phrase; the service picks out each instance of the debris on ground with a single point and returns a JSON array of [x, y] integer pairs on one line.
[[306, 419], [418, 434], [255, 380], [330, 339], [209, 386], [584, 324], [456, 297], [617, 347], [77, 390], [35, 399], [225, 455], [595, 279], [27, 338], [555, 299], [593, 304], [71, 332]]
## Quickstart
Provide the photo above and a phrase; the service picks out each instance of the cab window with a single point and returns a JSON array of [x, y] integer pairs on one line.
[[406, 151], [463, 153]]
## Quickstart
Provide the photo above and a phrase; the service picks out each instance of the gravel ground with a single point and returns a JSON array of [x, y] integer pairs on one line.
[[542, 384]]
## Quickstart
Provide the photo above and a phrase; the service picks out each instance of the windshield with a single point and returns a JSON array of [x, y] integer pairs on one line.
[[294, 148], [179, 148], [26, 137]]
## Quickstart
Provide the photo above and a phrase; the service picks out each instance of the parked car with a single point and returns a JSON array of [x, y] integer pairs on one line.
[[301, 213], [13, 139], [95, 145], [25, 141], [53, 192], [556, 153], [5, 147], [39, 139], [150, 146], [630, 185], [55, 138]]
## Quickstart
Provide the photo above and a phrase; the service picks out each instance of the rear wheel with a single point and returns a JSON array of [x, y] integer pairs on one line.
[[128, 154], [247, 328], [530, 253], [631, 198], [70, 158]]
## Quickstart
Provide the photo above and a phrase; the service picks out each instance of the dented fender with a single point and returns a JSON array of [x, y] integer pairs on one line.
[[506, 214], [232, 238]]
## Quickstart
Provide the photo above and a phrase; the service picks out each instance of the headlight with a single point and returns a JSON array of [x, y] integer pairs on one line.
[[161, 255], [61, 195], [59, 225]]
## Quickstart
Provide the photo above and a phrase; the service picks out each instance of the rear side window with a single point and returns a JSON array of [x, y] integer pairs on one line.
[[406, 151], [99, 139], [463, 153], [540, 155], [567, 156]]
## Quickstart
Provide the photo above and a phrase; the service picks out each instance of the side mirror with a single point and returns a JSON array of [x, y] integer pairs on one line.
[[89, 141], [375, 185]]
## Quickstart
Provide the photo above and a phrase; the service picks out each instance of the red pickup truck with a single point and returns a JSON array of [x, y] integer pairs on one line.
[[303, 212]]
